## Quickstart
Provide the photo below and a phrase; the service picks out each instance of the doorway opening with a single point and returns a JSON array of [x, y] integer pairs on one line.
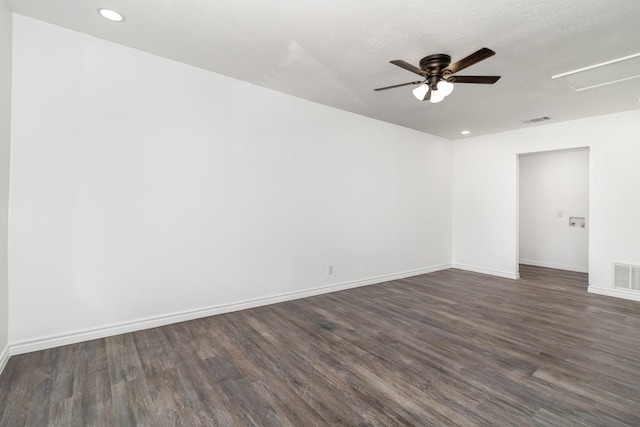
[[553, 209]]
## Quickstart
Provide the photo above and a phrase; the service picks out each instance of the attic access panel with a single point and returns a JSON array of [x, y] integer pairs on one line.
[[606, 73]]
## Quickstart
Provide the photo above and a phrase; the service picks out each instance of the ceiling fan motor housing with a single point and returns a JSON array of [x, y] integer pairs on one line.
[[434, 64]]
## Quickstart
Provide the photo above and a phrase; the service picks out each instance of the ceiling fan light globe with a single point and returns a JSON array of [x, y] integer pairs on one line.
[[421, 92], [445, 88], [436, 96]]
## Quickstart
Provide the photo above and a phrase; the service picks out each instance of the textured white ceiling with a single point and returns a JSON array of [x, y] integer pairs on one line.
[[335, 52]]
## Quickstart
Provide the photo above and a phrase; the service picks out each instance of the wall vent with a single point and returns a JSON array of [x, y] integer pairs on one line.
[[537, 119], [626, 276]]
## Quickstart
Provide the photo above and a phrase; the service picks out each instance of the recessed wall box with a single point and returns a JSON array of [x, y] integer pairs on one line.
[[577, 221]]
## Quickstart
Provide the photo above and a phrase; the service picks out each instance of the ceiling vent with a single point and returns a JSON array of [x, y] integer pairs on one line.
[[606, 73], [537, 119], [626, 276]]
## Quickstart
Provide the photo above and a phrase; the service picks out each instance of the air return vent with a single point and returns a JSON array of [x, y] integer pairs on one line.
[[626, 276], [537, 119]]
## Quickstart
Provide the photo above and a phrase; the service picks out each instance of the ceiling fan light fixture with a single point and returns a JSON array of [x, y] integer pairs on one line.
[[438, 74], [445, 88], [421, 91], [436, 96]]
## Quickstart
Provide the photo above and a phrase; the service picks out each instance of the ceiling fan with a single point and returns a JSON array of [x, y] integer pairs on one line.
[[437, 74]]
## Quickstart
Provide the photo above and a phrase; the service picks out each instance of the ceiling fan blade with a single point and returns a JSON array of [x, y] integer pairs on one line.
[[427, 96], [417, 82], [488, 80], [474, 58], [402, 64]]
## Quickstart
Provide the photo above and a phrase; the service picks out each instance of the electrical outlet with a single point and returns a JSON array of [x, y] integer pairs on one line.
[[330, 269]]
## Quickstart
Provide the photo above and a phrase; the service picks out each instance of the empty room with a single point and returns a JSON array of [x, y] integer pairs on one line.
[[314, 213]]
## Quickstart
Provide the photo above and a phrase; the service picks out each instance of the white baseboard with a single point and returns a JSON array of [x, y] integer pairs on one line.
[[554, 265], [4, 358], [167, 319], [506, 274], [617, 293]]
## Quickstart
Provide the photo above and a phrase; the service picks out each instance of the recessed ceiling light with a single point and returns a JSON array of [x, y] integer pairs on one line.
[[111, 15], [465, 132]]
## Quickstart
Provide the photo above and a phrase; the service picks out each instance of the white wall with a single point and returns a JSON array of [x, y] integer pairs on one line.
[[5, 133], [554, 183], [143, 187], [485, 184]]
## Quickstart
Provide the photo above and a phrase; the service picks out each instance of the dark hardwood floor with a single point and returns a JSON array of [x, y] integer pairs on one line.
[[447, 348]]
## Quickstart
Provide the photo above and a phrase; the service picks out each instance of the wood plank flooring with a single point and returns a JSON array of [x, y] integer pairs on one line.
[[447, 348]]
